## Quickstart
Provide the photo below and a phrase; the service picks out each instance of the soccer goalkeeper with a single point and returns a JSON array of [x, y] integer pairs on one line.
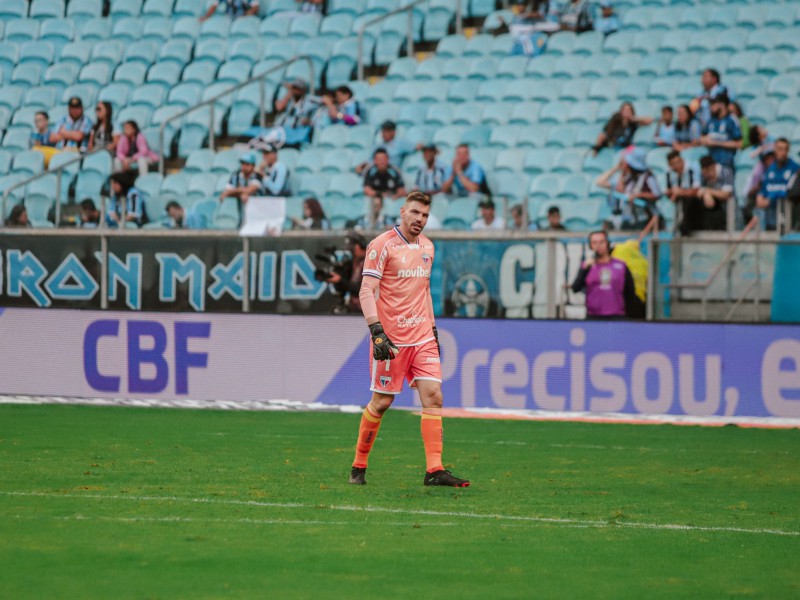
[[405, 343]]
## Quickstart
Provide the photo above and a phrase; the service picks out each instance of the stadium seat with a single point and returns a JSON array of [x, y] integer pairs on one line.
[[275, 28], [28, 162], [334, 26], [83, 10], [476, 136], [22, 30], [524, 113], [497, 113], [36, 52], [26, 75], [788, 110], [17, 138], [13, 9], [41, 97], [512, 67], [11, 97], [98, 74]]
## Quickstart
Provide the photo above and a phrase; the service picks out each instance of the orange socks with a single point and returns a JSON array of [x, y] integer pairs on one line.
[[370, 423], [431, 426]]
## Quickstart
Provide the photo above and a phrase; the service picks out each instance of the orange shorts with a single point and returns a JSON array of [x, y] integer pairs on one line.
[[413, 362]]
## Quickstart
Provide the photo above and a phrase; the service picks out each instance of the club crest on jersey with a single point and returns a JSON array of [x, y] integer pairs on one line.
[[372, 254], [426, 258], [385, 381]]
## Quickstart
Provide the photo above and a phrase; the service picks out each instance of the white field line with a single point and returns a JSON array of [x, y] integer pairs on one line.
[[429, 513]]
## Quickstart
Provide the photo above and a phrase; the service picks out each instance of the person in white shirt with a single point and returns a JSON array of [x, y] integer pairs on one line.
[[489, 220]]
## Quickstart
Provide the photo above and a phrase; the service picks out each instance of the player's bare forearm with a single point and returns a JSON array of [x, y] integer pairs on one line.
[[369, 306]]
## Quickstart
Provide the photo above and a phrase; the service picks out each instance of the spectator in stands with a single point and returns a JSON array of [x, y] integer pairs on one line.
[[296, 111], [431, 177], [233, 8], [488, 220], [575, 15], [125, 194], [40, 139], [608, 22], [73, 130], [90, 216], [758, 139], [607, 281], [180, 219], [619, 130], [634, 190], [518, 220], [245, 182], [310, 6], [383, 179], [343, 107], [722, 134], [464, 176], [756, 179], [701, 105], [397, 148], [133, 151], [736, 112], [313, 216], [715, 191], [554, 219], [665, 128], [18, 217], [103, 135], [687, 129], [274, 174], [774, 188], [682, 182]]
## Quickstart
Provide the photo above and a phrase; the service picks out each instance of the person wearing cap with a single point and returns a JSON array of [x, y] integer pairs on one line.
[[682, 183], [488, 220], [274, 174], [245, 182], [295, 110], [722, 135], [342, 107], [73, 130], [607, 22], [634, 190], [233, 8], [431, 177], [775, 186], [464, 176]]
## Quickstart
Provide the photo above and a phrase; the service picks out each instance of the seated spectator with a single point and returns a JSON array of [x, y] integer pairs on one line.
[[608, 22], [245, 182], [397, 148], [431, 177], [518, 220], [634, 190], [103, 135], [534, 16], [180, 220], [687, 130], [296, 111], [90, 216], [133, 151], [554, 219], [274, 174], [774, 188], [682, 183], [125, 194], [488, 219], [756, 179], [233, 8], [607, 281], [575, 16], [40, 139], [73, 130], [18, 217], [383, 179], [701, 105], [758, 139], [342, 108], [665, 128], [722, 135], [464, 176], [715, 191], [313, 216], [619, 130]]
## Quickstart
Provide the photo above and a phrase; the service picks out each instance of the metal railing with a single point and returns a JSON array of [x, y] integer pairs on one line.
[[58, 172], [704, 286], [262, 118], [409, 8]]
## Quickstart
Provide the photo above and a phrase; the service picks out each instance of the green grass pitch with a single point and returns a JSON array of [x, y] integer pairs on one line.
[[148, 503]]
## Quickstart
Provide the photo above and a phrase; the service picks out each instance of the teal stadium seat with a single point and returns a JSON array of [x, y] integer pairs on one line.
[[13, 9], [157, 29], [94, 29], [127, 30], [22, 30]]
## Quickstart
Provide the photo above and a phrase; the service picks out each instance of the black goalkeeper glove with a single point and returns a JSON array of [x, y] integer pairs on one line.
[[382, 346], [436, 337]]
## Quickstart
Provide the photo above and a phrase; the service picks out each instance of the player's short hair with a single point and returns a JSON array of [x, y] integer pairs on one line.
[[420, 197]]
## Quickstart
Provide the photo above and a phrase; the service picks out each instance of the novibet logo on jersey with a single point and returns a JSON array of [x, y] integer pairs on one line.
[[416, 272]]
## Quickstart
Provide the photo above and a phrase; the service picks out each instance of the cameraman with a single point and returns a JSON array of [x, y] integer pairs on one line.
[[345, 282]]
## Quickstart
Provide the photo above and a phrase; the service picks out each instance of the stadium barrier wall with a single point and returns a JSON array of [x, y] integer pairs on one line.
[[744, 372]]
